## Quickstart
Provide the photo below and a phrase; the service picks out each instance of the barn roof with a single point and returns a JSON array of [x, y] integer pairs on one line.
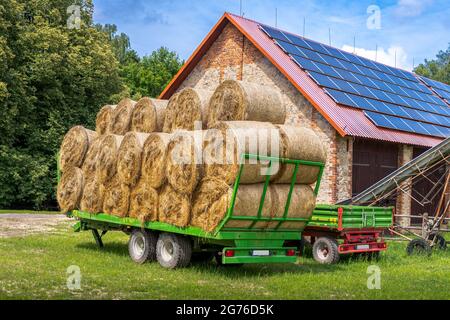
[[359, 97]]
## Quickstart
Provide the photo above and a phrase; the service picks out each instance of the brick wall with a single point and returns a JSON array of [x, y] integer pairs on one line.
[[403, 205], [233, 57]]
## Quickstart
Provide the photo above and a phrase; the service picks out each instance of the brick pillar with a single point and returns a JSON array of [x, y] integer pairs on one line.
[[403, 206]]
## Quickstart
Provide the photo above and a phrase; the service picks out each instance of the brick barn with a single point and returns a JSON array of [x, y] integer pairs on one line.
[[361, 150]]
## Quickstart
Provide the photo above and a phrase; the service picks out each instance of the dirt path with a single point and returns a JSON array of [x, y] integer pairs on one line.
[[19, 225]]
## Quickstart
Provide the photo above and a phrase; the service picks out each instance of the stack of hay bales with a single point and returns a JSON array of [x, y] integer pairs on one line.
[[157, 160]]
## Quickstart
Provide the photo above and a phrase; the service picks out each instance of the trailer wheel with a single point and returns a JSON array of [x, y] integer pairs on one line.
[[441, 243], [325, 250], [173, 251], [418, 246], [142, 246]]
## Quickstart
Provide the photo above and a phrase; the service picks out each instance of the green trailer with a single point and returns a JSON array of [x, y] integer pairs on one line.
[[336, 230], [174, 247]]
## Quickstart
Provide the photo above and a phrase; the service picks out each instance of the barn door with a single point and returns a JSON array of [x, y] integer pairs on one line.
[[372, 161]]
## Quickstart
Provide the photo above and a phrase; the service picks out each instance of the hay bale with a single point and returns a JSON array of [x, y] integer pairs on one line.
[[303, 202], [144, 202], [191, 108], [129, 157], [103, 122], [106, 166], [213, 199], [174, 207], [90, 161], [93, 196], [70, 189], [210, 191], [121, 117], [237, 100], [117, 198], [148, 115], [226, 143], [184, 158], [154, 159], [170, 113], [74, 147], [304, 144]]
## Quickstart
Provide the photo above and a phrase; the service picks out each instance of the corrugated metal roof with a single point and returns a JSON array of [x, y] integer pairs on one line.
[[347, 121]]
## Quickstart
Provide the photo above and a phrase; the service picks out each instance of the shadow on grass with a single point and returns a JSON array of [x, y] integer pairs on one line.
[[117, 248], [258, 270]]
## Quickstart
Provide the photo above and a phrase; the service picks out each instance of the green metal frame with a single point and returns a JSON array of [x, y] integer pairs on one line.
[[254, 219], [353, 217]]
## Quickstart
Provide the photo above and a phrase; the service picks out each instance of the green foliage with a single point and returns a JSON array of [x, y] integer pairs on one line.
[[51, 78], [150, 75], [437, 69]]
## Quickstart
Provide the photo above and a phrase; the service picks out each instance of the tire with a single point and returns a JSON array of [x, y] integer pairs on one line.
[[173, 251], [142, 246], [441, 243], [325, 250], [418, 246]]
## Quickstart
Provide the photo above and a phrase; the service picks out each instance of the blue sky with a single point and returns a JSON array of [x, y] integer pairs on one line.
[[409, 29]]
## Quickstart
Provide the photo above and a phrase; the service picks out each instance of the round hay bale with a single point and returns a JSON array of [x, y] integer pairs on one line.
[[148, 115], [191, 108], [90, 161], [144, 202], [184, 158], [170, 113], [226, 143], [117, 198], [210, 191], [174, 207], [70, 189], [121, 117], [303, 144], [106, 166], [213, 199], [303, 202], [74, 147], [93, 196], [154, 159], [103, 122], [237, 100], [129, 157]]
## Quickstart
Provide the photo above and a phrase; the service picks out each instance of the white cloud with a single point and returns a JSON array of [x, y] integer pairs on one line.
[[384, 56], [411, 8]]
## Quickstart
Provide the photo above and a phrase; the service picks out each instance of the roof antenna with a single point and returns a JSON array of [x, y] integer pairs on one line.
[[240, 8], [276, 17], [304, 27], [329, 36], [354, 44], [376, 53]]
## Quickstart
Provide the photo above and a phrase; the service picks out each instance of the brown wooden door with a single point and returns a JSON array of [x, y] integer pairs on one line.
[[421, 188], [372, 161]]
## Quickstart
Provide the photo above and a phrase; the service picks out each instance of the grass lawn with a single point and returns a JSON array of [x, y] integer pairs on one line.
[[35, 267], [27, 212]]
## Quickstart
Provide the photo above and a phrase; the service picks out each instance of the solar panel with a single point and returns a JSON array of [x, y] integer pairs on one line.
[[392, 122], [359, 102], [395, 97], [441, 89], [337, 70]]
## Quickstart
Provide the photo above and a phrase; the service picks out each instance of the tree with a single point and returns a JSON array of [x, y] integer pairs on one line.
[[51, 78], [151, 74], [437, 69]]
